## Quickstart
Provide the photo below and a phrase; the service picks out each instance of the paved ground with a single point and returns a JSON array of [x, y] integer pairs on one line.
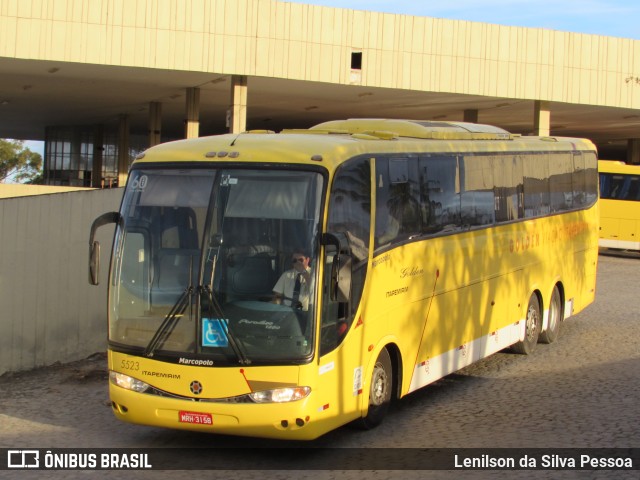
[[581, 392]]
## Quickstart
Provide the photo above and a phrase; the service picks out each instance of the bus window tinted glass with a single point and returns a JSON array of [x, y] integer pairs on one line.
[[398, 213], [439, 194], [507, 174], [579, 179], [476, 178], [560, 181], [619, 187], [536, 187], [591, 177]]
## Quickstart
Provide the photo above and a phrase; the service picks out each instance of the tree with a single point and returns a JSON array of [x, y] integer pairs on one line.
[[18, 162]]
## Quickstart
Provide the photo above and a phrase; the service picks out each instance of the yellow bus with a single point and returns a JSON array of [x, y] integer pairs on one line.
[[619, 205], [425, 246]]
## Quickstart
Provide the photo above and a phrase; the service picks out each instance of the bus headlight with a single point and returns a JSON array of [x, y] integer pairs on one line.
[[280, 395], [127, 382]]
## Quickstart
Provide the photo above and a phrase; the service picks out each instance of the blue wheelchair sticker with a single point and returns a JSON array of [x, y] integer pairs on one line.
[[213, 333]]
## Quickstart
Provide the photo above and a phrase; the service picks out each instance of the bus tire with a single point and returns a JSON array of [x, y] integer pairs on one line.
[[379, 391], [550, 335], [532, 328]]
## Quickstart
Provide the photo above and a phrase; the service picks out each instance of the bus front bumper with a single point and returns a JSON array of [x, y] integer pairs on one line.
[[290, 420]]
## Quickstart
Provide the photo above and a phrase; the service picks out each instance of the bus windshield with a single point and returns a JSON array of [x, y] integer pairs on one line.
[[199, 254]]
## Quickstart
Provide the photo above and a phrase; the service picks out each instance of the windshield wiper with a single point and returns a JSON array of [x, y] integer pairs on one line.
[[169, 323], [233, 341]]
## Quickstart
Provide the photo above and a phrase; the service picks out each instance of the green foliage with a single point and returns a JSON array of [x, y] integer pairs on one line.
[[19, 163]]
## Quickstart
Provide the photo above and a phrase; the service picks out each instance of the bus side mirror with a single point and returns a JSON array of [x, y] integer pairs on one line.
[[94, 263], [94, 246], [341, 278], [340, 289]]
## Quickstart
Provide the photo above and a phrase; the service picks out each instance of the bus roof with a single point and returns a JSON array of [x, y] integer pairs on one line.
[[425, 129], [615, 166], [330, 143]]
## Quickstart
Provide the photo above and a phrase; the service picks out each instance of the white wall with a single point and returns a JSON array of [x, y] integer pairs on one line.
[[48, 311], [12, 190]]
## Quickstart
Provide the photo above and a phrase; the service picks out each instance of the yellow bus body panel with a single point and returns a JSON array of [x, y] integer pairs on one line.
[[424, 290]]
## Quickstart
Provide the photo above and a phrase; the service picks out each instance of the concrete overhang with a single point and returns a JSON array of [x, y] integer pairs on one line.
[[35, 94]]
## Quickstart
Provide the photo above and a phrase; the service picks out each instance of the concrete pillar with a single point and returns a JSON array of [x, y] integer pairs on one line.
[[541, 118], [123, 150], [192, 111], [98, 149], [76, 172], [237, 114], [471, 115], [155, 123], [633, 151], [48, 165]]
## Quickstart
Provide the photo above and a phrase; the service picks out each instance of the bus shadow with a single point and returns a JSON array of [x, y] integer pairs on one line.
[[613, 252]]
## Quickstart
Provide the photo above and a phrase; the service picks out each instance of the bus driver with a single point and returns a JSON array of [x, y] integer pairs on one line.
[[292, 288]]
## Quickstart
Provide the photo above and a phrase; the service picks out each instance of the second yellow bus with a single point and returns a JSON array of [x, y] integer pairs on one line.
[[619, 205]]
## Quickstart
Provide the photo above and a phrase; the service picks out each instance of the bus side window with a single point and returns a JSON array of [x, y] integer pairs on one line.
[[536, 187], [477, 186], [329, 338], [634, 188], [508, 189], [616, 186], [578, 180], [560, 182], [398, 210], [349, 214], [591, 177], [439, 194]]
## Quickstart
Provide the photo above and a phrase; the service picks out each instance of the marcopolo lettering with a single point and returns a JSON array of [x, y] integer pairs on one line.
[[195, 361]]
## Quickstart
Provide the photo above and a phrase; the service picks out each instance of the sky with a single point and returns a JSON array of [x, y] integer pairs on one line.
[[614, 18]]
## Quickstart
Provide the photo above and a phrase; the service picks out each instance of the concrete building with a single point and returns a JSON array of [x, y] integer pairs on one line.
[[100, 80]]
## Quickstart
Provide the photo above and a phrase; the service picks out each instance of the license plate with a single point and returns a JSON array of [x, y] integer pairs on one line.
[[195, 417]]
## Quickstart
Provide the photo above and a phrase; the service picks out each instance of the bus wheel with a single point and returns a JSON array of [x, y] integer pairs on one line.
[[379, 392], [533, 323], [550, 335]]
